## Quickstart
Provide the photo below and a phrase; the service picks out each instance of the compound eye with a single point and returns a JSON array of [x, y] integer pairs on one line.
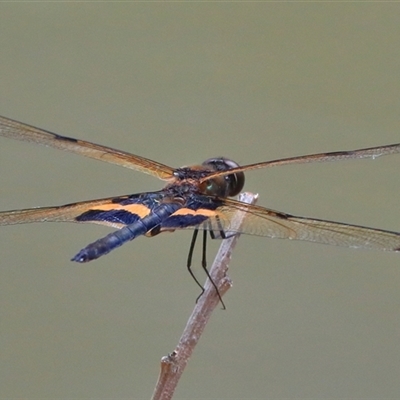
[[236, 183], [233, 183], [214, 188]]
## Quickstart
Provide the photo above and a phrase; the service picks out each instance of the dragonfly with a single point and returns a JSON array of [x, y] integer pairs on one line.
[[197, 197]]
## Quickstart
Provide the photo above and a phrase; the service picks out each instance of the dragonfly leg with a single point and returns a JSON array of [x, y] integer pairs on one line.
[[203, 264], [189, 261]]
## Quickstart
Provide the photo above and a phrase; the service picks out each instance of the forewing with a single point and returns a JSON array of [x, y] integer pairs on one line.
[[370, 152], [17, 130], [261, 221]]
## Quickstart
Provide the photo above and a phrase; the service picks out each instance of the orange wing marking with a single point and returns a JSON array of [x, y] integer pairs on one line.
[[201, 211], [138, 209]]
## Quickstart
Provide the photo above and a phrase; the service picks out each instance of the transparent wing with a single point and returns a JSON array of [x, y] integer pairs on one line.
[[19, 131], [116, 212], [261, 221], [370, 152]]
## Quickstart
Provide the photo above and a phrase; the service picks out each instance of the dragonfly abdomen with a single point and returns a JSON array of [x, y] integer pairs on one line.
[[118, 238]]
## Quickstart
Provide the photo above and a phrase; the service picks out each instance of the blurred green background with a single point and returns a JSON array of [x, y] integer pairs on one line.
[[179, 83]]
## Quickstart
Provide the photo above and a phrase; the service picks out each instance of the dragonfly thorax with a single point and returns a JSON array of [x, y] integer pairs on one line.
[[194, 179]]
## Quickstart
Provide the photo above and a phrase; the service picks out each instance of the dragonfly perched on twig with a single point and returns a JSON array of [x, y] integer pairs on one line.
[[194, 198]]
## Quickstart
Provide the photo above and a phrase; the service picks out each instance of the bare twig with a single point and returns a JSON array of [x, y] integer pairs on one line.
[[173, 365]]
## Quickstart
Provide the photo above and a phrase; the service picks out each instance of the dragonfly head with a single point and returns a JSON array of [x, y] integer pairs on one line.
[[225, 185]]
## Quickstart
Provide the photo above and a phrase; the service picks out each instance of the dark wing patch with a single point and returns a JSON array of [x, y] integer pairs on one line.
[[114, 218], [115, 215]]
